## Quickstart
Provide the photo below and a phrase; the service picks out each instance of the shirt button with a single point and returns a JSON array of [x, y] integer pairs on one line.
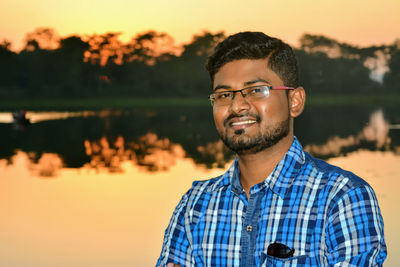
[[249, 228]]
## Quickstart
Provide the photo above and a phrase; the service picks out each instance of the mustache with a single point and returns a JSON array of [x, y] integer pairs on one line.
[[231, 116]]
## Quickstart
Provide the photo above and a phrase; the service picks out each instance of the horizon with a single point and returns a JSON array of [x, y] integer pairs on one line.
[[125, 39], [358, 23]]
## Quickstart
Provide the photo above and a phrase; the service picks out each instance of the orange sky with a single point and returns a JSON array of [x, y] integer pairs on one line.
[[360, 22]]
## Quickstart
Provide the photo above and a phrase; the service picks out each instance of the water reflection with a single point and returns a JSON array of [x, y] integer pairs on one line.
[[215, 154], [102, 155], [154, 138], [71, 220], [48, 165], [375, 134], [156, 154], [35, 117], [121, 173], [150, 152]]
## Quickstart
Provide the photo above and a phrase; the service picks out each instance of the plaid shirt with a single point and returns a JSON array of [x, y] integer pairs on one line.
[[328, 215]]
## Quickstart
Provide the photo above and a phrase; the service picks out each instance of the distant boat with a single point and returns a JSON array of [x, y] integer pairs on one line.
[[19, 117]]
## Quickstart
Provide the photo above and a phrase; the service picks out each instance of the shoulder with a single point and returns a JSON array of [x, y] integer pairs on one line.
[[336, 183], [203, 187], [334, 174]]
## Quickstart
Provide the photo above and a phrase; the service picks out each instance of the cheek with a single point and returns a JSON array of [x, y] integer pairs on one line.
[[273, 112], [219, 117], [218, 113]]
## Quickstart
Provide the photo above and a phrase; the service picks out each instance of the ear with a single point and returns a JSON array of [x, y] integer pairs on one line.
[[297, 100]]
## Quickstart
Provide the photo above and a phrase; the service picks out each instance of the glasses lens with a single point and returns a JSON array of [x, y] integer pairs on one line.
[[256, 92], [223, 98], [253, 93], [211, 98]]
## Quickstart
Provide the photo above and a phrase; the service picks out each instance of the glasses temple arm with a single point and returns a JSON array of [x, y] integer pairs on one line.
[[281, 88]]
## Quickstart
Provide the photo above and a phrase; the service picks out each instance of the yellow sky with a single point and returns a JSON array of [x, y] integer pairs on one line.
[[360, 22]]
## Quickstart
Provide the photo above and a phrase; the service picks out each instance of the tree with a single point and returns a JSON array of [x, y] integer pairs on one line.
[[320, 74], [8, 68], [341, 67], [150, 47], [191, 72], [392, 77], [104, 48], [71, 68], [332, 48], [43, 38]]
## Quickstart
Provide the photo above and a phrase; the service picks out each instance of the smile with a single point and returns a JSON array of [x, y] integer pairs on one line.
[[243, 122]]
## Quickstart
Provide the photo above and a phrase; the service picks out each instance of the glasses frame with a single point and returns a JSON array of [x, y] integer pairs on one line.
[[211, 97]]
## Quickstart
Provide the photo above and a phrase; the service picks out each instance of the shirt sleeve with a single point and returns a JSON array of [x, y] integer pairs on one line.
[[176, 246], [355, 230]]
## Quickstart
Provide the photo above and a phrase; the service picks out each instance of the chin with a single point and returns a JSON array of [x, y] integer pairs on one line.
[[242, 143]]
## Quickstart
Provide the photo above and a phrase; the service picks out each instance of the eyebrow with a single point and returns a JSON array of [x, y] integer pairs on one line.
[[258, 80], [222, 87]]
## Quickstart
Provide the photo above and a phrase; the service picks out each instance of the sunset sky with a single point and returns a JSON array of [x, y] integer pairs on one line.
[[359, 22]]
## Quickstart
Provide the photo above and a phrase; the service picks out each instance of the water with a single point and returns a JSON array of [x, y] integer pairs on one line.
[[97, 188]]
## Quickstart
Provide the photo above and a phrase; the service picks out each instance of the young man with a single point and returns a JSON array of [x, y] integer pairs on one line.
[[276, 205]]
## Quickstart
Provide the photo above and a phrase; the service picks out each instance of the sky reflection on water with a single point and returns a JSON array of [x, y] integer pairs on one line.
[[35, 117], [88, 217], [91, 217], [110, 206]]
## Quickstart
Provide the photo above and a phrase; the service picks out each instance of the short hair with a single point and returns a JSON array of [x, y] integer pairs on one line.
[[256, 45]]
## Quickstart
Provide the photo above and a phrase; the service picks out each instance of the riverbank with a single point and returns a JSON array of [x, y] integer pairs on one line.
[[131, 102]]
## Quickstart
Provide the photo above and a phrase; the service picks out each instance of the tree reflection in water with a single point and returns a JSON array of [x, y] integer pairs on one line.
[[215, 154], [102, 155], [149, 152], [48, 165], [156, 154], [375, 134], [158, 138], [159, 154]]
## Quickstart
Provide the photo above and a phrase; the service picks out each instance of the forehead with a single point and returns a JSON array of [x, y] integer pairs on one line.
[[236, 73]]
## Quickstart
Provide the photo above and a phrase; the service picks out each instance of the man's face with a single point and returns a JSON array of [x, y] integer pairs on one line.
[[250, 127]]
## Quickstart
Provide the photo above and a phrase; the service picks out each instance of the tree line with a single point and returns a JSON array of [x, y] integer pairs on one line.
[[152, 65]]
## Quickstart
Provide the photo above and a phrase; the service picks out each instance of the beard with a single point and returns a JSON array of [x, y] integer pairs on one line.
[[242, 144]]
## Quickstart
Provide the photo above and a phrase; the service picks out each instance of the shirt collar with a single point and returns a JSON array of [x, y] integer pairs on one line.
[[280, 179]]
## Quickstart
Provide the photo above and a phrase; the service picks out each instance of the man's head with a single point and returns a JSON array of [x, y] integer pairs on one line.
[[256, 45], [247, 123]]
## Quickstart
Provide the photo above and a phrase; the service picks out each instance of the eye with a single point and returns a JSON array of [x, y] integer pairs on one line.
[[223, 95], [256, 91]]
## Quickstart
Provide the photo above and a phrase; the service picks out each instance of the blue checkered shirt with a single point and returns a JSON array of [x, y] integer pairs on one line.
[[329, 216]]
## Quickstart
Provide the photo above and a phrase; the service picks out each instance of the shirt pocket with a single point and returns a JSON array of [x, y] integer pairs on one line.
[[302, 260]]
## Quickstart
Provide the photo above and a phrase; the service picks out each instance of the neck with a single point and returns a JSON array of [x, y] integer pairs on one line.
[[254, 168]]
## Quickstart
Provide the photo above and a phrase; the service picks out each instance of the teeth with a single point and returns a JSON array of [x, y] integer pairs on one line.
[[243, 122]]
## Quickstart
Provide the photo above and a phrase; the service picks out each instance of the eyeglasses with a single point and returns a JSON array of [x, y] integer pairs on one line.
[[252, 93]]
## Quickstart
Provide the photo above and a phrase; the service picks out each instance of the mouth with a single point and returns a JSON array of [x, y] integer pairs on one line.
[[240, 123]]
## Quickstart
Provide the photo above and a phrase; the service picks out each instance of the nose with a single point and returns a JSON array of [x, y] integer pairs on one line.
[[239, 102]]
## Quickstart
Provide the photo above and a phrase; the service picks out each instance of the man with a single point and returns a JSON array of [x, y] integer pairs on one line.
[[276, 205]]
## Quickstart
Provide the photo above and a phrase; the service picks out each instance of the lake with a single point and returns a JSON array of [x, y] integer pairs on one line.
[[98, 187]]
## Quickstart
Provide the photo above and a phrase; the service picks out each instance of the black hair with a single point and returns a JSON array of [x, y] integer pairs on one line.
[[256, 45]]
